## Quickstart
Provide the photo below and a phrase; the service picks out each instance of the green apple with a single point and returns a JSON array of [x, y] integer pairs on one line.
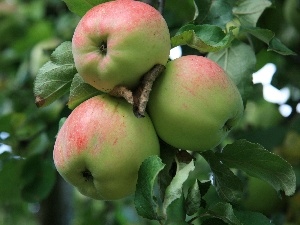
[[117, 42], [261, 197], [194, 104], [290, 148], [101, 146]]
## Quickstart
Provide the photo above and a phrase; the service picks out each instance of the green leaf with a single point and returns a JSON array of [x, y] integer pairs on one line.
[[204, 38], [232, 60], [249, 11], [252, 218], [176, 15], [224, 211], [52, 82], [80, 91], [268, 37], [80, 7], [167, 154], [228, 186], [176, 212], [61, 122], [39, 178], [202, 7], [174, 190], [276, 45], [258, 162], [55, 77], [63, 55], [144, 202], [264, 35], [217, 12], [193, 199]]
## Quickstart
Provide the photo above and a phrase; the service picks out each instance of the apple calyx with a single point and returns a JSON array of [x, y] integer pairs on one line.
[[87, 175], [227, 126], [103, 48], [139, 97]]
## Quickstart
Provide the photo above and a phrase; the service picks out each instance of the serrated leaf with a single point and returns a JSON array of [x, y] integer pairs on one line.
[[144, 202], [228, 186], [224, 211], [54, 78], [232, 60], [268, 37], [252, 218], [52, 81], [204, 38], [62, 55], [174, 190], [193, 199], [256, 161], [249, 11], [264, 35], [80, 91], [80, 7]]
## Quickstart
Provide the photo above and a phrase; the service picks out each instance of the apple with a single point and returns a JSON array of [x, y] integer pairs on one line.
[[117, 42], [101, 146], [194, 104], [290, 148], [261, 197]]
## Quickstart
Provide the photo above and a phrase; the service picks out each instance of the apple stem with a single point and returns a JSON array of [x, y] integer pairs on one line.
[[141, 94], [122, 91], [139, 98]]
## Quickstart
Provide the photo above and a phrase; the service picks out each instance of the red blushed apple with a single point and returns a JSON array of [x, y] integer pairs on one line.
[[194, 104], [117, 42], [101, 146]]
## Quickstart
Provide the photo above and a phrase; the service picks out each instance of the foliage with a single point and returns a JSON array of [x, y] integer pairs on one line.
[[36, 66]]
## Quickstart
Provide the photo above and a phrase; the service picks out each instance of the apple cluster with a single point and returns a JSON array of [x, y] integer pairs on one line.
[[193, 104]]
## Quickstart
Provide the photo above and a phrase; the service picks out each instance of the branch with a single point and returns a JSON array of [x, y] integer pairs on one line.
[[121, 91], [161, 6], [141, 95]]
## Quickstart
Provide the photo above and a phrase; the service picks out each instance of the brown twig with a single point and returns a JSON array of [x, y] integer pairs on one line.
[[141, 95], [121, 91]]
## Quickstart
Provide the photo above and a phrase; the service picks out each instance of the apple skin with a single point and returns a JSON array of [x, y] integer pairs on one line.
[[194, 104], [117, 42], [101, 146]]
